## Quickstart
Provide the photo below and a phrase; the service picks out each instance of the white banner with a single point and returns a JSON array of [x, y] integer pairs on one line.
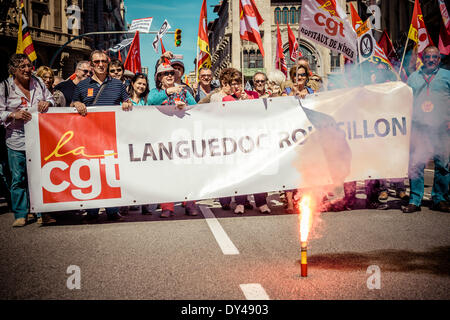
[[141, 25], [325, 23], [157, 154]]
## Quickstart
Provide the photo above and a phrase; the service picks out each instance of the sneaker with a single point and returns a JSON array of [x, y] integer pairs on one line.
[[19, 222], [410, 208], [383, 196], [166, 213], [264, 209], [402, 195], [239, 209]]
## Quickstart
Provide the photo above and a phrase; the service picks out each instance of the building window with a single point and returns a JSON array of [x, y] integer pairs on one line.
[[57, 14], [277, 15], [335, 61], [285, 15], [293, 17], [253, 59]]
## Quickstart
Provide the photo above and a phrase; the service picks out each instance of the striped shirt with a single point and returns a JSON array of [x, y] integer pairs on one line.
[[113, 94]]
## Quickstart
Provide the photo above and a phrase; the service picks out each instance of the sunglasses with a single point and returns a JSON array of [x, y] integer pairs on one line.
[[85, 71], [168, 73], [260, 81], [24, 66], [100, 61], [301, 74], [427, 56], [115, 70]]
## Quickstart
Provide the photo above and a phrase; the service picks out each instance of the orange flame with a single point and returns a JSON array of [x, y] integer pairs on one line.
[[305, 216]]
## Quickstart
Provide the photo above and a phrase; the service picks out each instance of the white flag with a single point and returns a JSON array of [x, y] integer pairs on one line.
[[162, 31], [324, 22]]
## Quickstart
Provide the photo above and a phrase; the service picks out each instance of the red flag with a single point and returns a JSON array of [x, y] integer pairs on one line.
[[293, 45], [133, 60], [204, 56], [356, 20], [163, 50], [250, 20], [417, 31], [280, 62], [120, 57], [386, 44], [444, 34]]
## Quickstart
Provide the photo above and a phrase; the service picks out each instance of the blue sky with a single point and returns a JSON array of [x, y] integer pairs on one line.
[[181, 14]]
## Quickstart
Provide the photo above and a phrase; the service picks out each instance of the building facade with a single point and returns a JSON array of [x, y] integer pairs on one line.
[[52, 23]]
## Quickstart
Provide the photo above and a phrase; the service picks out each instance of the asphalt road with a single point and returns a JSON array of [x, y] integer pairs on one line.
[[147, 257]]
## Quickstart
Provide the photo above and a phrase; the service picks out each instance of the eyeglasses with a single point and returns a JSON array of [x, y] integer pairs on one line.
[[427, 56], [115, 70], [260, 81], [24, 66], [85, 70], [301, 74], [168, 73], [100, 61]]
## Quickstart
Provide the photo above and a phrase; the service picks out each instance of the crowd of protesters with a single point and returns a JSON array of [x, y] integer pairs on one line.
[[102, 81]]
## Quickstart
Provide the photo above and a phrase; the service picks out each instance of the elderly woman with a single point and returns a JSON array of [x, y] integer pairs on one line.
[[167, 93], [47, 76], [275, 80], [19, 94]]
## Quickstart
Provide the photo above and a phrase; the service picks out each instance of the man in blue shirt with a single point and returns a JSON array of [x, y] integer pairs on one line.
[[100, 90], [430, 131]]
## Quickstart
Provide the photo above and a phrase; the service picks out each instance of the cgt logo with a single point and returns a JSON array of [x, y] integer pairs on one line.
[[79, 157], [332, 27]]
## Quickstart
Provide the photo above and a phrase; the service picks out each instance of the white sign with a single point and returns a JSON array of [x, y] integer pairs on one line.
[[125, 43], [158, 154], [162, 31], [325, 23], [141, 25]]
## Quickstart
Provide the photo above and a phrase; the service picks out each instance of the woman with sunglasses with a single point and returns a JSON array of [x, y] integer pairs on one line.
[[168, 93], [300, 76]]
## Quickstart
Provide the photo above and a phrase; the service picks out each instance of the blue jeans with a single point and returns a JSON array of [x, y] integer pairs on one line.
[[19, 185], [426, 145]]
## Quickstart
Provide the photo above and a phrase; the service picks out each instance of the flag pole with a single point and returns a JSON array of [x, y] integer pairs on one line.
[[403, 57], [242, 62], [196, 66]]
